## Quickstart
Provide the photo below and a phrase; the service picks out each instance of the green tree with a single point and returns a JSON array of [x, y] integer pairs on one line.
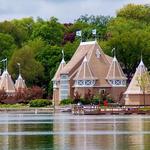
[[144, 84], [31, 69], [26, 27], [137, 12], [50, 31], [6, 46], [130, 38], [17, 33]]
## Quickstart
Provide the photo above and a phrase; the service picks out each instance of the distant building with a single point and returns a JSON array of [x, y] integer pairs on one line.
[[20, 83], [6, 83], [88, 69], [134, 93]]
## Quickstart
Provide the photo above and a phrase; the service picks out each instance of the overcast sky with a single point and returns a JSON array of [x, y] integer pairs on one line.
[[64, 10]]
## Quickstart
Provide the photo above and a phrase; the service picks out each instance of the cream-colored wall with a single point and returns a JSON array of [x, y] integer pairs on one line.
[[137, 99]]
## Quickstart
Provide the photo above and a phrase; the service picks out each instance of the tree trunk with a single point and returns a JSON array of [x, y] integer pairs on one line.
[[144, 97]]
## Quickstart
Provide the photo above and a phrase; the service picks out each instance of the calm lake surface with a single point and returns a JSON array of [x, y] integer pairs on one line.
[[67, 132]]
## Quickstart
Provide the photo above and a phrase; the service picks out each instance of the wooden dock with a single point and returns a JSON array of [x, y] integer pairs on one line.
[[96, 110]]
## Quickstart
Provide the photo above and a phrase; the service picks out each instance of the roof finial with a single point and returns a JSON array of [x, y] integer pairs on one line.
[[141, 56], [5, 63], [62, 54], [19, 68], [141, 62], [114, 52], [63, 60]]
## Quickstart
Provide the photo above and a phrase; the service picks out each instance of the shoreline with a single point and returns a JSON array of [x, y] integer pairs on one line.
[[34, 110], [27, 110]]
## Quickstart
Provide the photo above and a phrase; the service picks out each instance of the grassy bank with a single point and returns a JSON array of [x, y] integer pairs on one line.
[[14, 106]]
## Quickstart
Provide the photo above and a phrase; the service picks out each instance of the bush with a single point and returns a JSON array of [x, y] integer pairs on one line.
[[66, 102], [39, 103]]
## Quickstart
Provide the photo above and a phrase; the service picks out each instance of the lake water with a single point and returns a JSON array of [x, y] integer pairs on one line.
[[67, 132]]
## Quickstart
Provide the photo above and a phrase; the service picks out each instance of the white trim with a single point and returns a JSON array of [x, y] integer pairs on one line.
[[88, 43]]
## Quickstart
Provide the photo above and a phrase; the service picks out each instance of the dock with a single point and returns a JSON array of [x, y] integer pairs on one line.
[[96, 110]]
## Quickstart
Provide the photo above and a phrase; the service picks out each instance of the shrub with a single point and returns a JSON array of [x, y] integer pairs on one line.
[[66, 101], [40, 103], [3, 95]]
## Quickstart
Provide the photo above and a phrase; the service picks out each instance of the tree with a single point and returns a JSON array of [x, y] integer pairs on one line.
[[26, 27], [50, 31], [6, 46], [17, 33], [31, 69], [130, 38], [136, 12], [144, 84]]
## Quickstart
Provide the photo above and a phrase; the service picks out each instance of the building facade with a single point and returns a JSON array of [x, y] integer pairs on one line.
[[89, 69], [134, 95]]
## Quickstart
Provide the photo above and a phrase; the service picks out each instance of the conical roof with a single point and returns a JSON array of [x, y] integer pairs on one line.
[[84, 72], [57, 74], [115, 71], [20, 83], [6, 82], [134, 87]]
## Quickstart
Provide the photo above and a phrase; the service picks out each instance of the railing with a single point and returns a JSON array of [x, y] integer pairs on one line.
[[95, 110]]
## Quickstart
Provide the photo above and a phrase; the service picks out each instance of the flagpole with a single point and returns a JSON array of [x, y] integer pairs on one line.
[[94, 33]]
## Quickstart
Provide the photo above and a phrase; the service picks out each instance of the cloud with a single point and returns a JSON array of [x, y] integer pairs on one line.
[[64, 10]]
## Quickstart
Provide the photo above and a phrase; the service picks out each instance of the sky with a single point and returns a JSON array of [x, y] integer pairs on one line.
[[65, 10]]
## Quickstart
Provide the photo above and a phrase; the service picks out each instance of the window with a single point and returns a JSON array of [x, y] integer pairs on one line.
[[55, 84], [84, 83], [117, 82], [102, 91], [98, 54], [64, 76], [64, 87]]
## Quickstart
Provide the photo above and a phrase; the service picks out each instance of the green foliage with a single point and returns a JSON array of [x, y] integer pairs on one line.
[[66, 102], [130, 37], [13, 106], [37, 44], [39, 103], [50, 31], [31, 70], [137, 12], [7, 46]]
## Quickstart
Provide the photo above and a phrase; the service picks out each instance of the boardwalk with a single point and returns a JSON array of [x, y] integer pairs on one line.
[[96, 110]]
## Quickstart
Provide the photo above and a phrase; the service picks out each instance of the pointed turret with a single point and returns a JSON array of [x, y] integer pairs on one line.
[[20, 83], [134, 87], [84, 72], [57, 74], [115, 72], [6, 82]]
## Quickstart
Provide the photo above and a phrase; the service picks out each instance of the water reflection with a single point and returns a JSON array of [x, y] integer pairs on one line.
[[65, 132]]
